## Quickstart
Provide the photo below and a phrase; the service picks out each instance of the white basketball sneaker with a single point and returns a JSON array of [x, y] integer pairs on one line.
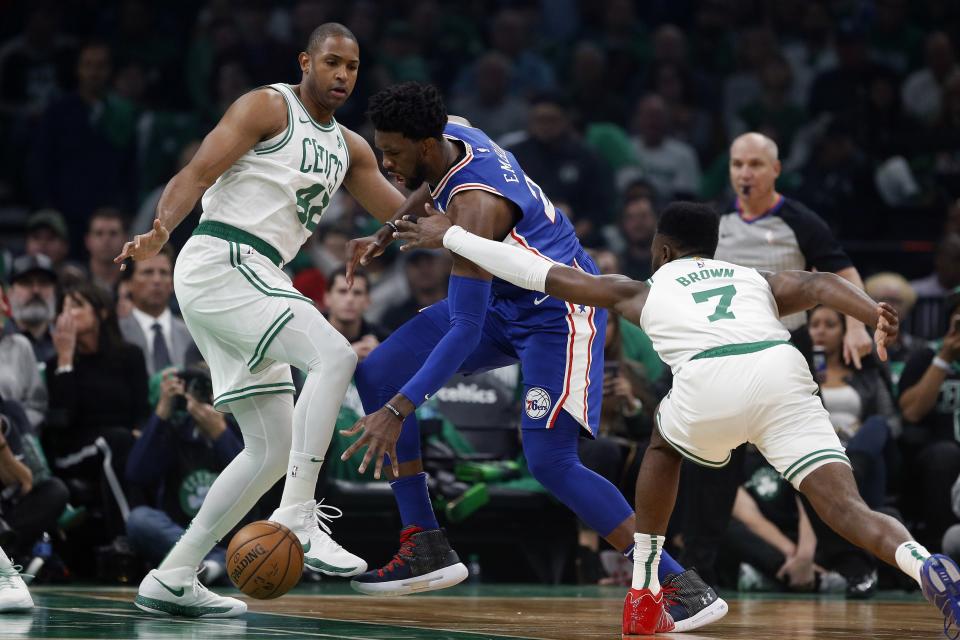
[[14, 595], [178, 592], [320, 551]]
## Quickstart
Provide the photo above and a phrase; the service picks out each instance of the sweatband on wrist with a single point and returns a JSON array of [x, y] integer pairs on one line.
[[468, 299], [521, 268], [940, 363]]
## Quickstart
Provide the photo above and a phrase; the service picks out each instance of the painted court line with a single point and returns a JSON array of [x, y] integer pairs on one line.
[[385, 625]]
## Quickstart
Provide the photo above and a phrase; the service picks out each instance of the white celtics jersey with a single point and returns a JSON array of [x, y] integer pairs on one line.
[[697, 304], [279, 189]]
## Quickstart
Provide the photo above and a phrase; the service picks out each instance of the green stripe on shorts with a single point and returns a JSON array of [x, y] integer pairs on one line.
[[812, 458], [261, 350], [254, 390]]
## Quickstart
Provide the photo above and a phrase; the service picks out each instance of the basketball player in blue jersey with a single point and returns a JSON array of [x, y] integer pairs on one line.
[[487, 323]]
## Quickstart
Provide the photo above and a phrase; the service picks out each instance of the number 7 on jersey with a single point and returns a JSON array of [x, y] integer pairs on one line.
[[722, 312]]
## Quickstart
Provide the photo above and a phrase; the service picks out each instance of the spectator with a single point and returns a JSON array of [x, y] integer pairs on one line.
[[163, 338], [669, 164], [345, 309], [688, 122], [774, 112], [563, 166], [930, 403], [845, 89], [47, 234], [509, 35], [19, 375], [923, 89], [632, 239], [35, 66], [33, 302], [895, 40], [185, 444], [813, 53], [81, 156], [860, 406], [894, 289], [427, 274], [98, 388], [927, 321], [104, 240], [488, 105], [31, 500], [589, 88]]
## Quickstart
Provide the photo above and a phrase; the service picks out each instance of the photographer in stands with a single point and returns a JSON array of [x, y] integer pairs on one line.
[[185, 444]]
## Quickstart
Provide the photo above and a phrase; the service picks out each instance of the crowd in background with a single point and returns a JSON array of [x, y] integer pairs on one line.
[[614, 108]]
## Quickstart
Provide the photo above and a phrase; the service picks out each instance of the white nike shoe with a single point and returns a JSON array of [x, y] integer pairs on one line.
[[320, 552], [178, 592], [14, 595]]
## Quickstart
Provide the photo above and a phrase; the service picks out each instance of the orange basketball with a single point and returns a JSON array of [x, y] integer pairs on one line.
[[265, 560]]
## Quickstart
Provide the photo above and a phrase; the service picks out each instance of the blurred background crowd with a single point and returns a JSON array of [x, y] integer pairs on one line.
[[615, 108]]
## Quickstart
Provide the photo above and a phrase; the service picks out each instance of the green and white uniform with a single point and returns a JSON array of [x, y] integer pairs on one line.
[[737, 378], [228, 279]]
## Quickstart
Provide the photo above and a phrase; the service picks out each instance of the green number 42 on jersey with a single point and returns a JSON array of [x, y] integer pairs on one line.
[[309, 212], [722, 312]]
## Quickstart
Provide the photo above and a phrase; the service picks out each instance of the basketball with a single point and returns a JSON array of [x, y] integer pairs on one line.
[[265, 560]]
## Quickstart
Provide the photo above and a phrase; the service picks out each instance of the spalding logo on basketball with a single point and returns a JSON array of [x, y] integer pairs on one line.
[[537, 403]]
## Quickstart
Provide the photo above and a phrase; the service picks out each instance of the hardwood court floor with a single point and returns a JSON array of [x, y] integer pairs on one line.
[[463, 613]]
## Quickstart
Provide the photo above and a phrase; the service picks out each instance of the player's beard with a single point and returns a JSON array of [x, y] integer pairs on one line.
[[35, 312], [417, 177]]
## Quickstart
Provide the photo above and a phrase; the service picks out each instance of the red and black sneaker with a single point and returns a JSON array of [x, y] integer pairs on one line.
[[644, 614], [425, 562]]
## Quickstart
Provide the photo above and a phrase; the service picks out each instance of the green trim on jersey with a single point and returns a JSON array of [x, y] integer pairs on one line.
[[253, 390], [233, 234], [346, 149], [261, 350], [286, 136], [739, 349], [703, 462], [814, 456], [322, 127]]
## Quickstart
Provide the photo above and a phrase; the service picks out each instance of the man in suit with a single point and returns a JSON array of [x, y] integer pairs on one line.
[[163, 337]]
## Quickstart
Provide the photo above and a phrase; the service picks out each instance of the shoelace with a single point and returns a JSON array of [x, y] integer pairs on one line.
[[326, 512], [407, 545], [198, 587], [7, 576], [669, 598]]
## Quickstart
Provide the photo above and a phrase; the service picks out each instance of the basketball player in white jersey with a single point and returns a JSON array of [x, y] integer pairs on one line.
[[266, 172], [737, 379]]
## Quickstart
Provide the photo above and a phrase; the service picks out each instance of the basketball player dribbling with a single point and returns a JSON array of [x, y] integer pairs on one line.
[[266, 173]]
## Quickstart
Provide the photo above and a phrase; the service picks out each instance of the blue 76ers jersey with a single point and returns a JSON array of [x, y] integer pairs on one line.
[[559, 344], [541, 229]]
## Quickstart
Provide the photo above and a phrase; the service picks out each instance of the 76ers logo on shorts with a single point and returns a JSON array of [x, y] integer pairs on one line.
[[537, 403]]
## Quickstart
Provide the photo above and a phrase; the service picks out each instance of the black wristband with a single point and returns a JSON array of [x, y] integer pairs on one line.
[[392, 409], [389, 223]]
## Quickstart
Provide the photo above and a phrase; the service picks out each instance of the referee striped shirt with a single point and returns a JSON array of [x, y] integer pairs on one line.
[[787, 236]]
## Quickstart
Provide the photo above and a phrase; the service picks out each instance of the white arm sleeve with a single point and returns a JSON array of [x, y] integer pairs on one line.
[[516, 266]]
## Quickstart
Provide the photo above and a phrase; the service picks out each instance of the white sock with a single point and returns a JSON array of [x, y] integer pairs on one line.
[[910, 558], [5, 562], [312, 345], [265, 422], [196, 542], [646, 561], [300, 484]]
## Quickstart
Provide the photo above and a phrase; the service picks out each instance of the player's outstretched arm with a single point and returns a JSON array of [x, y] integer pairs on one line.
[[797, 291], [520, 267], [255, 116]]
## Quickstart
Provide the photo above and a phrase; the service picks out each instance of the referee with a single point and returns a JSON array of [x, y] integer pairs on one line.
[[768, 232]]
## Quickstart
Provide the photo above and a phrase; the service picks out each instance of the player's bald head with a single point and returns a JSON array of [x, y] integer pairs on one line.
[[752, 142]]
